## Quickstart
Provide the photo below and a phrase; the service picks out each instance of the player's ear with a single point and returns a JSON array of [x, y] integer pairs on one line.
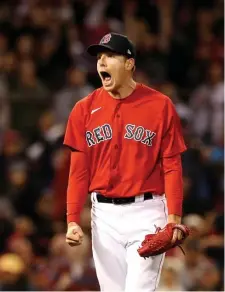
[[129, 65]]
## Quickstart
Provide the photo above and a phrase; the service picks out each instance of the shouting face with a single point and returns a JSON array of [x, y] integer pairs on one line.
[[113, 70]]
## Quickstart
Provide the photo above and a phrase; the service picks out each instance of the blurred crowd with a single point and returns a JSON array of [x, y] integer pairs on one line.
[[44, 71]]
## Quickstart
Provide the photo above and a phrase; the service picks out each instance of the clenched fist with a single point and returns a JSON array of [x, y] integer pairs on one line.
[[74, 235]]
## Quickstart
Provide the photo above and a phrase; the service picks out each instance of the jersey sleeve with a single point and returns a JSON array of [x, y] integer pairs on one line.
[[75, 131], [172, 138]]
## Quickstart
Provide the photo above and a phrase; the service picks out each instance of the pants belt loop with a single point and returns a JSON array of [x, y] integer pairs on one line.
[[94, 197], [139, 198]]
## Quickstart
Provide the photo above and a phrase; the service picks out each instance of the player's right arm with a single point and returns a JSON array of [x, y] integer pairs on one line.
[[78, 181]]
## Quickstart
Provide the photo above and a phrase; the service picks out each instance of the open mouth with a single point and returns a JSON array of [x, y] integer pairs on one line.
[[105, 76]]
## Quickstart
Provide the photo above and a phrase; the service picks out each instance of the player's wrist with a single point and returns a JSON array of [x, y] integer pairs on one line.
[[70, 224], [73, 218], [172, 218]]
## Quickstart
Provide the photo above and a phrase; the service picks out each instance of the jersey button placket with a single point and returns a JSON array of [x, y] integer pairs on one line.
[[117, 127], [115, 141]]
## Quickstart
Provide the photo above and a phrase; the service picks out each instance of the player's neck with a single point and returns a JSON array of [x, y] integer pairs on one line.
[[124, 90]]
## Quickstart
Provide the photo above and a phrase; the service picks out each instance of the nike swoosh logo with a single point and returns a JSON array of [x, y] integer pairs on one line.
[[95, 110]]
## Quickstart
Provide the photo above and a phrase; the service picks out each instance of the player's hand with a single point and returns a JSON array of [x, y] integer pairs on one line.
[[177, 234], [74, 235]]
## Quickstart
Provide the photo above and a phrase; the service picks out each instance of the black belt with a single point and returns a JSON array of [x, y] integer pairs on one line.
[[121, 201]]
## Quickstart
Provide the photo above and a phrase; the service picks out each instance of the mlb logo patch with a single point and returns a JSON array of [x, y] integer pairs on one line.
[[106, 39]]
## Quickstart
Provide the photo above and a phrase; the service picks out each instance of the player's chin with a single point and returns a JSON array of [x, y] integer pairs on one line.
[[108, 86]]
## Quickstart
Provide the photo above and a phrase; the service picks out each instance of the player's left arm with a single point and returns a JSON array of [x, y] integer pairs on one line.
[[171, 148], [173, 181]]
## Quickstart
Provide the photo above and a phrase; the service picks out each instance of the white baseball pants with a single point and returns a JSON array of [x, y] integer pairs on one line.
[[117, 232]]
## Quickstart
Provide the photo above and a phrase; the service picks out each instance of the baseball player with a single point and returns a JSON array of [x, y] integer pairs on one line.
[[126, 144]]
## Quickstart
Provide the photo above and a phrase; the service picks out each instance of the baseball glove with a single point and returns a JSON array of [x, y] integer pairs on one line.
[[160, 242]]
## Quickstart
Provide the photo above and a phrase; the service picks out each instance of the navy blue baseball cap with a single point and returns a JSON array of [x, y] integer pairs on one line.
[[116, 43]]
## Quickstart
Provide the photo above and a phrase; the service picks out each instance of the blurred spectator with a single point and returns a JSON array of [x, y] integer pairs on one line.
[[213, 243], [25, 47], [4, 106], [10, 69], [81, 267], [4, 43], [195, 266], [12, 150], [53, 60], [171, 275], [149, 56], [77, 88], [13, 273], [40, 149], [75, 46], [209, 281], [65, 11], [198, 183], [95, 22], [196, 224], [142, 77], [22, 247], [20, 189], [207, 102], [183, 110], [28, 98], [29, 87], [24, 226]]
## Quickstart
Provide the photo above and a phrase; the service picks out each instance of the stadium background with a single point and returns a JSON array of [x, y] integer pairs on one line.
[[44, 71]]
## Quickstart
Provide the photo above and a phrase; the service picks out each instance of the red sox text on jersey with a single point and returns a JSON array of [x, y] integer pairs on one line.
[[104, 132]]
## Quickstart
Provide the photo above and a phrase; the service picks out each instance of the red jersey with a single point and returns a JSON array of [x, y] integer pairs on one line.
[[125, 139]]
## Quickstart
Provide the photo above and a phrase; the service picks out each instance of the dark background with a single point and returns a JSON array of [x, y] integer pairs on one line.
[[44, 71]]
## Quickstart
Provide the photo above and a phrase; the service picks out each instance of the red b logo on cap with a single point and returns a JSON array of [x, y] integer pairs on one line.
[[106, 39]]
